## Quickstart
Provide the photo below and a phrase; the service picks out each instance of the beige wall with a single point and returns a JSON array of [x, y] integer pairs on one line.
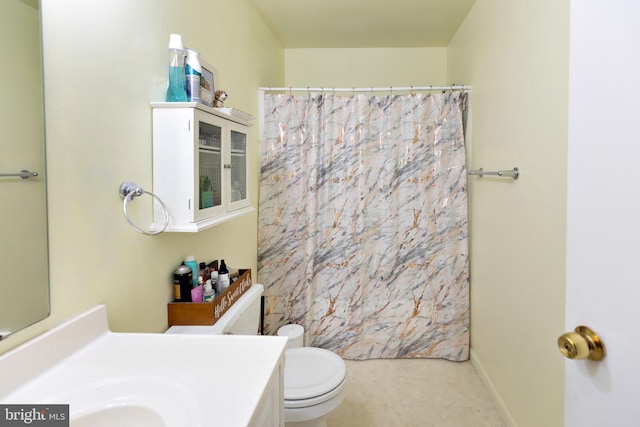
[[515, 56], [104, 62], [365, 67]]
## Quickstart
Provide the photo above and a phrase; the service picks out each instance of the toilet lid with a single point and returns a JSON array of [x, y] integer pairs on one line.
[[311, 372]]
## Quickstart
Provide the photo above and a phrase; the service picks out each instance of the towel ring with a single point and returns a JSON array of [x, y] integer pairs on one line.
[[129, 190]]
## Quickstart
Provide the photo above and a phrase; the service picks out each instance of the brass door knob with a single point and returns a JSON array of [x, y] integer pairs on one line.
[[583, 343]]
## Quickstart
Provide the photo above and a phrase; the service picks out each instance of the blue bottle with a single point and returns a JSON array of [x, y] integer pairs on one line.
[[190, 261], [175, 90]]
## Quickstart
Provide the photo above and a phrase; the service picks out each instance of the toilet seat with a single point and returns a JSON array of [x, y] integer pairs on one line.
[[312, 376]]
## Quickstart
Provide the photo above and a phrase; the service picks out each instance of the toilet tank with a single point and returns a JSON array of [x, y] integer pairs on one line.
[[242, 318]]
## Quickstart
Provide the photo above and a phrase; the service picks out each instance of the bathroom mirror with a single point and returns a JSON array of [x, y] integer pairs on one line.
[[24, 257]]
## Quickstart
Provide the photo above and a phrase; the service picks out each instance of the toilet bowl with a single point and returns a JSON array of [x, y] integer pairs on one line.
[[314, 386], [315, 379]]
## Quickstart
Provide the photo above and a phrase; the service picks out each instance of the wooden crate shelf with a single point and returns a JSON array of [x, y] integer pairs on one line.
[[208, 313]]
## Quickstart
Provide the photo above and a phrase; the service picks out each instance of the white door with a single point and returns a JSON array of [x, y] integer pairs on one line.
[[603, 216]]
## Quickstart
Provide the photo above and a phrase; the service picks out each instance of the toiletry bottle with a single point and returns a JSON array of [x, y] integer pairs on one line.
[[223, 276], [209, 294], [196, 293], [215, 283], [193, 71], [191, 262], [204, 271], [175, 89], [182, 283], [213, 272]]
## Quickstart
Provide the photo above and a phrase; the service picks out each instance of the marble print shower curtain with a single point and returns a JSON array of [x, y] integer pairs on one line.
[[363, 223]]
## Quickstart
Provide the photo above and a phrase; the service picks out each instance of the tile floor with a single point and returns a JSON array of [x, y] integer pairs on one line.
[[414, 393]]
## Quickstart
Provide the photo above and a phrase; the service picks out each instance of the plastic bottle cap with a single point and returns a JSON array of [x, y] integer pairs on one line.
[[190, 258], [175, 42]]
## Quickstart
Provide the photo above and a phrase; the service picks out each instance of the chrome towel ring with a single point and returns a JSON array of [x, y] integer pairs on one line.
[[129, 190]]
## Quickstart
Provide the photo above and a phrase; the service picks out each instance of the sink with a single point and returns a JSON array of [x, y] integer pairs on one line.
[[142, 379], [140, 401], [134, 415]]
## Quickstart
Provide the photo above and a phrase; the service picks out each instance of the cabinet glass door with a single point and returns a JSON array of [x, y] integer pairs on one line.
[[238, 182], [209, 166]]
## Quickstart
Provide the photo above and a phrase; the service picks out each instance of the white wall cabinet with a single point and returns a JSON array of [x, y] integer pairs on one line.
[[200, 166]]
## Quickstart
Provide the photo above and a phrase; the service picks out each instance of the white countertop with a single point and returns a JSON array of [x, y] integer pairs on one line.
[[211, 379]]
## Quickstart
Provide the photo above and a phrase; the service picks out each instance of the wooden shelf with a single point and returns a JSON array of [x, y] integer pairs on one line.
[[208, 313]]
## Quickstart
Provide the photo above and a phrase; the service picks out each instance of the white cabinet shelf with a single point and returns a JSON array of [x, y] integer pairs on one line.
[[200, 166]]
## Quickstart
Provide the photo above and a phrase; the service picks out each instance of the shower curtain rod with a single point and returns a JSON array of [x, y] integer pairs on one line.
[[365, 89]]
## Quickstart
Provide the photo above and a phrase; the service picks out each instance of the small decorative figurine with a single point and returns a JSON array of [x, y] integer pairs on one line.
[[219, 98]]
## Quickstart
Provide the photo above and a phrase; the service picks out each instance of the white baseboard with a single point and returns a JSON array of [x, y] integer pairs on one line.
[[493, 393]]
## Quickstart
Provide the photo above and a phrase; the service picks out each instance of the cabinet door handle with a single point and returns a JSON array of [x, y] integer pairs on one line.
[[227, 166]]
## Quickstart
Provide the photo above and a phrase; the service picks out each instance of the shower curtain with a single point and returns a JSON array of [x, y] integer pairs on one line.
[[363, 223]]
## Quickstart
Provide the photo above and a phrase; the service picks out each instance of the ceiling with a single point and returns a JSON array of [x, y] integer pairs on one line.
[[363, 23]]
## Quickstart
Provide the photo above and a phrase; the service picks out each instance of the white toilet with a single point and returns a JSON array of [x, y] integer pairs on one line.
[[314, 379]]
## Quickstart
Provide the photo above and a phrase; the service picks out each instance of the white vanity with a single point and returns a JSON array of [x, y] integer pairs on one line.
[[144, 380]]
